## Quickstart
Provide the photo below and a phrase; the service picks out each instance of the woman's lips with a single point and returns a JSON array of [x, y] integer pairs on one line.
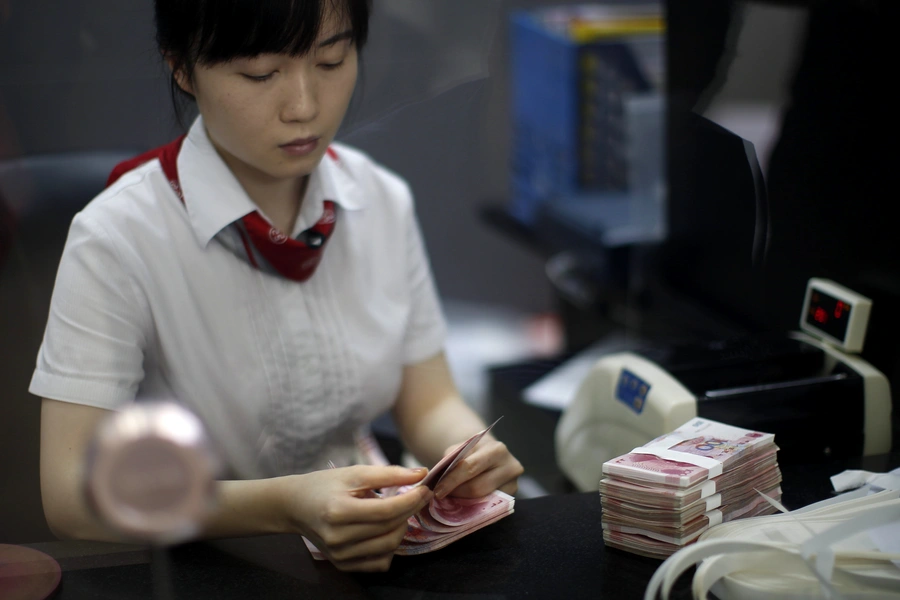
[[301, 147]]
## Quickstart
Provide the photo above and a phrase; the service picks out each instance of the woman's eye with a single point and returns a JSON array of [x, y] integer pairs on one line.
[[259, 78], [331, 66]]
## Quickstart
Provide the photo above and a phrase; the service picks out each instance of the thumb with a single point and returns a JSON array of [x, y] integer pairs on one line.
[[378, 477]]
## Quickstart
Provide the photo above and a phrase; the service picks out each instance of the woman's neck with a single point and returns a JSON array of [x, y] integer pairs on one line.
[[278, 199]]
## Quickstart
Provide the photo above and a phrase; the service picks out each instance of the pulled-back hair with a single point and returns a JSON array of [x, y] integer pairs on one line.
[[208, 32]]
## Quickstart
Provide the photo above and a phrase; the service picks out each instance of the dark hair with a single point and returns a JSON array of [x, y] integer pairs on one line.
[[191, 32]]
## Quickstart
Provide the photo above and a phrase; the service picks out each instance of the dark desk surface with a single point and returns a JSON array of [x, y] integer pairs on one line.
[[551, 547]]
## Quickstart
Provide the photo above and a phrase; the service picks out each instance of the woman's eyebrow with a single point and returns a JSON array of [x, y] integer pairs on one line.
[[346, 35]]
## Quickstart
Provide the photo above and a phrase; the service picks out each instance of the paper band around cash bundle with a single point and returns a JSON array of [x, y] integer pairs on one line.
[[710, 464], [708, 488], [713, 502], [715, 517]]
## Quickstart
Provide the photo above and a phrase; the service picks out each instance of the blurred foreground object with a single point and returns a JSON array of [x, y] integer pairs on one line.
[[151, 473], [27, 574]]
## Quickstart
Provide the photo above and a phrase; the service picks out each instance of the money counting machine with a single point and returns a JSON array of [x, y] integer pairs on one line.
[[809, 388]]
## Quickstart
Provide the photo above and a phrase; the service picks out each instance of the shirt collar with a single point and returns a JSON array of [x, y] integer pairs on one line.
[[214, 198]]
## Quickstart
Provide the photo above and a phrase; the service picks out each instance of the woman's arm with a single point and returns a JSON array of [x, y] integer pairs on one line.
[[66, 432], [333, 508], [433, 419], [246, 507]]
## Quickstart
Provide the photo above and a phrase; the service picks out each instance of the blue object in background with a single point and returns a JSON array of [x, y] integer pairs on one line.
[[569, 134], [632, 391], [545, 113]]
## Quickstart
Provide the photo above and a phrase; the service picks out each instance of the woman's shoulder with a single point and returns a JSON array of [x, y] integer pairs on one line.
[[364, 171], [135, 197], [136, 212]]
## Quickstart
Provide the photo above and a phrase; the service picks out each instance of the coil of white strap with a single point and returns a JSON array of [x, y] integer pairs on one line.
[[816, 555]]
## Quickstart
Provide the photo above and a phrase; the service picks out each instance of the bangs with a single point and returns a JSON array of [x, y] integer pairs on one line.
[[222, 30]]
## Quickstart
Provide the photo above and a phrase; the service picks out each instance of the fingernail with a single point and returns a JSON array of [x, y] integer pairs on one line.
[[440, 492], [418, 470]]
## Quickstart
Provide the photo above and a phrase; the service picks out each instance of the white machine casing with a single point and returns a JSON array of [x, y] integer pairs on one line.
[[860, 307], [808, 388], [876, 395], [602, 422], [597, 427]]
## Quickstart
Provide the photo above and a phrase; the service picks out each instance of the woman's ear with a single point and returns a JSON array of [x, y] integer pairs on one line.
[[181, 78]]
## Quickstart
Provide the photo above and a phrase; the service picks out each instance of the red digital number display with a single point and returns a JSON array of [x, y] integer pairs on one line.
[[820, 315], [828, 314]]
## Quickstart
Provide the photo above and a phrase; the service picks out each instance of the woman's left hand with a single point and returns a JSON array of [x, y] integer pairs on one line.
[[490, 466]]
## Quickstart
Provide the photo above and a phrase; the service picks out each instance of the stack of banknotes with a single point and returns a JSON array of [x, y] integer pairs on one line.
[[443, 521], [660, 497]]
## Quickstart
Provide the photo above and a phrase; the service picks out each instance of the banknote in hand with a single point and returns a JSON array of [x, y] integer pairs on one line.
[[449, 519]]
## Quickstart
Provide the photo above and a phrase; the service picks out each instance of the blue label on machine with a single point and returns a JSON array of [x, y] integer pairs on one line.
[[632, 390]]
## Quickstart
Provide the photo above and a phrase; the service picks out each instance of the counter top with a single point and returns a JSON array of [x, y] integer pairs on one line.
[[551, 547]]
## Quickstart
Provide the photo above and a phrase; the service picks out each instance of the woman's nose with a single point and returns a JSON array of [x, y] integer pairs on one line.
[[300, 103]]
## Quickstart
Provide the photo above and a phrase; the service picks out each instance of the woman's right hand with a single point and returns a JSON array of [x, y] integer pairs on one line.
[[337, 511]]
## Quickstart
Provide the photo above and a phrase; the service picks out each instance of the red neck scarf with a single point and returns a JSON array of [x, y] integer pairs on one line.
[[265, 245]]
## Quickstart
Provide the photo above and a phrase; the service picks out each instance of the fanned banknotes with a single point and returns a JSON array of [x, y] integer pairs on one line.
[[665, 494], [443, 521]]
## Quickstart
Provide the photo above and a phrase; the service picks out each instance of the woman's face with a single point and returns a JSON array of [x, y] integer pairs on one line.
[[272, 117]]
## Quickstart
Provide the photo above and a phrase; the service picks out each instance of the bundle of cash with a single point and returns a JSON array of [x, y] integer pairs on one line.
[[660, 497], [443, 521]]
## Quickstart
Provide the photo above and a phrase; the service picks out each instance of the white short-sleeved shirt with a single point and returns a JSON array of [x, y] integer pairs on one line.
[[149, 305]]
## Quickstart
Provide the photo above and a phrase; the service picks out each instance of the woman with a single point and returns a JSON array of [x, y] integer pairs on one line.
[[272, 281]]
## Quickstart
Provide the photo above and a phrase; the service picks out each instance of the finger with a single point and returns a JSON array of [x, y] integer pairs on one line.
[[485, 484], [480, 461], [366, 477], [379, 510], [335, 537], [377, 546], [510, 487], [464, 472], [495, 477], [501, 478]]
